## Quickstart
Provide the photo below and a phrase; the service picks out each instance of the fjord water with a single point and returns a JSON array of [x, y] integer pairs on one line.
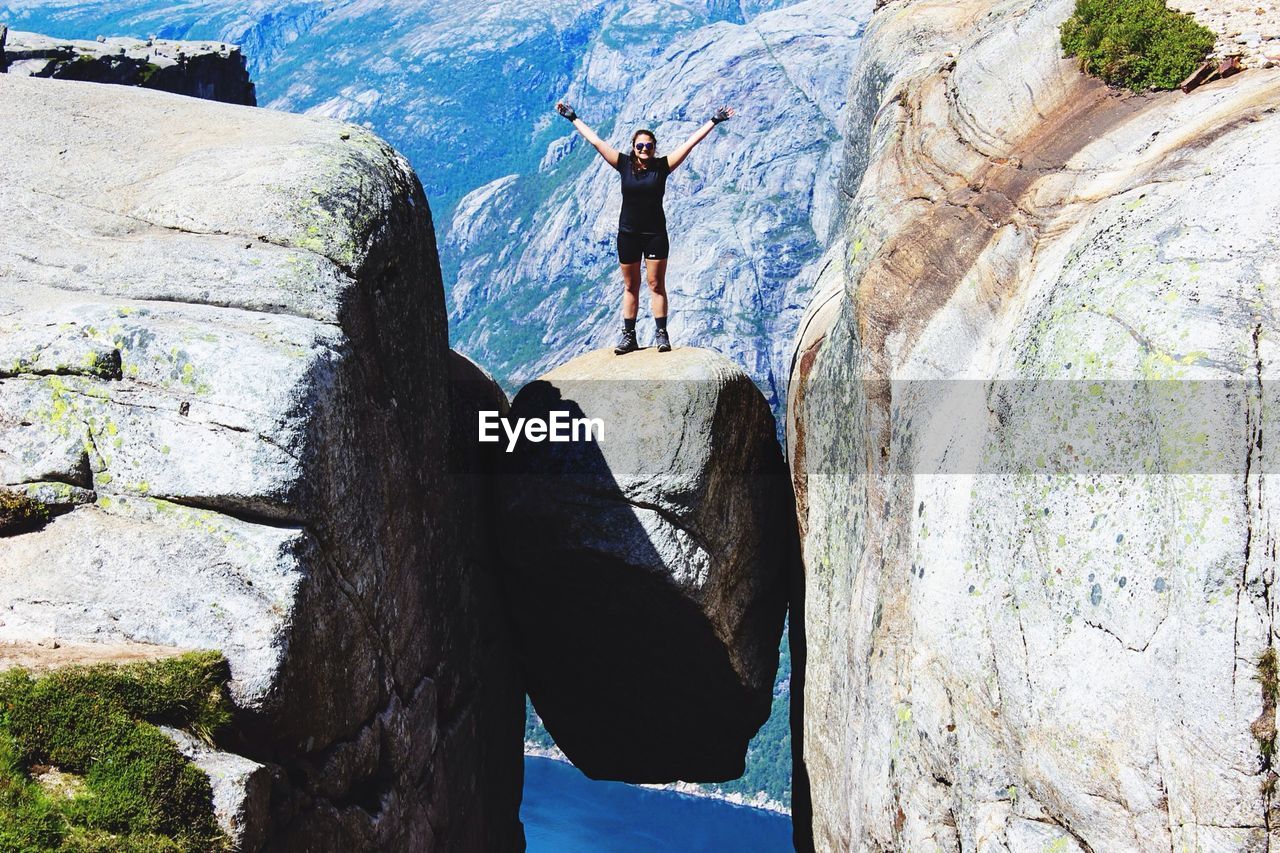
[[565, 812]]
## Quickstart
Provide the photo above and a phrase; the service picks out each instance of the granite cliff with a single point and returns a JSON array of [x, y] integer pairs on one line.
[[465, 92], [224, 369], [229, 421], [1029, 427]]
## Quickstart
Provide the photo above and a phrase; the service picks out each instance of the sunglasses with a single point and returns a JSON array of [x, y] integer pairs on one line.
[[644, 146]]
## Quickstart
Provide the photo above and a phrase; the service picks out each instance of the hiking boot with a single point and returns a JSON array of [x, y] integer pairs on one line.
[[661, 341], [627, 343]]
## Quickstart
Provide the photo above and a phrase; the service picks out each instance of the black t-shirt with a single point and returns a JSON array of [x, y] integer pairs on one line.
[[642, 196]]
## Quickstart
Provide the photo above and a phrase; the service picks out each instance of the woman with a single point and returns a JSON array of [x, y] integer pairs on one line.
[[642, 225]]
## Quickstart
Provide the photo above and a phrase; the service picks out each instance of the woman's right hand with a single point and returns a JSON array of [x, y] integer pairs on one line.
[[566, 110]]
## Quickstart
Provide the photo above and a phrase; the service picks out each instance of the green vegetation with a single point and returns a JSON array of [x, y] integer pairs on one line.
[[146, 72], [1140, 44], [534, 733], [125, 785], [1264, 727], [20, 513]]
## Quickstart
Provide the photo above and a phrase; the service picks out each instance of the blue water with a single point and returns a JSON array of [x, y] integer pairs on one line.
[[565, 812]]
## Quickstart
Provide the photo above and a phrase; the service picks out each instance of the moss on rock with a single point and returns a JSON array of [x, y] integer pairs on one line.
[[20, 513], [99, 723]]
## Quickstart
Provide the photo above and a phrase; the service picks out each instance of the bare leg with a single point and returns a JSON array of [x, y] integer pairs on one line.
[[656, 272], [630, 290]]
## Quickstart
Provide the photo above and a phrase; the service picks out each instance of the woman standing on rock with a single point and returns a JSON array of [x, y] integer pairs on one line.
[[642, 225]]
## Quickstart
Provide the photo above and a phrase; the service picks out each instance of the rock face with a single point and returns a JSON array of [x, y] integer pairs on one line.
[[1250, 31], [209, 70], [1032, 619], [223, 360], [648, 569]]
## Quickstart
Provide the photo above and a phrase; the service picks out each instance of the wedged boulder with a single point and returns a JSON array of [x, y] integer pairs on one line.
[[647, 569], [223, 354]]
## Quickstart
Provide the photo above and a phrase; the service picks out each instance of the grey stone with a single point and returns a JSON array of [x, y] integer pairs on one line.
[[209, 71], [223, 346], [1014, 229], [241, 789], [647, 570]]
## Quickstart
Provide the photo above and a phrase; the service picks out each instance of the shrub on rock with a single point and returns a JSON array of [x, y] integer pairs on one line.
[[131, 788], [1139, 44]]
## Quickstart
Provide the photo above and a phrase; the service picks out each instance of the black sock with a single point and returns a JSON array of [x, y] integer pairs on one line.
[[662, 322], [629, 325]]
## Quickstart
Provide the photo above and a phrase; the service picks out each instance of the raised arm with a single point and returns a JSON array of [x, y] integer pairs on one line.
[[607, 151], [675, 158]]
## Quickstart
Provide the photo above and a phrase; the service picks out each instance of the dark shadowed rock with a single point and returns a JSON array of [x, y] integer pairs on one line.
[[211, 70], [647, 570]]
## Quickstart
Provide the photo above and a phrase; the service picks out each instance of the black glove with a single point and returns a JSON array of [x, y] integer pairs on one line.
[[721, 115], [566, 111]]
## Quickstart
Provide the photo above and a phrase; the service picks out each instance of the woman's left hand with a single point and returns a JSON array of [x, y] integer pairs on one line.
[[723, 114]]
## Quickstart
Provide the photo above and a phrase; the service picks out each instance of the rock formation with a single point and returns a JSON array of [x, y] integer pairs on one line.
[[1036, 602], [224, 365], [208, 70], [647, 569]]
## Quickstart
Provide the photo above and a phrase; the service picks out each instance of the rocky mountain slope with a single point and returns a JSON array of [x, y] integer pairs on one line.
[[426, 75], [747, 212], [466, 92], [1029, 435]]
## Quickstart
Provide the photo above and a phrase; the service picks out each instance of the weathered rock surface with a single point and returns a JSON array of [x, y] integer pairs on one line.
[[647, 570], [223, 344], [210, 70], [241, 789], [1033, 645], [1248, 30]]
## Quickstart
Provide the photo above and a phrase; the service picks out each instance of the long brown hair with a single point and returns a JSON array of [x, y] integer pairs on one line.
[[635, 166]]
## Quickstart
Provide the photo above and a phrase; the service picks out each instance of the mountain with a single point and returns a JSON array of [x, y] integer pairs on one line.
[[466, 92], [525, 211], [747, 212], [457, 87]]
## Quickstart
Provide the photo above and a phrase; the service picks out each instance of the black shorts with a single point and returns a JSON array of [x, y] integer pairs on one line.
[[632, 246]]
